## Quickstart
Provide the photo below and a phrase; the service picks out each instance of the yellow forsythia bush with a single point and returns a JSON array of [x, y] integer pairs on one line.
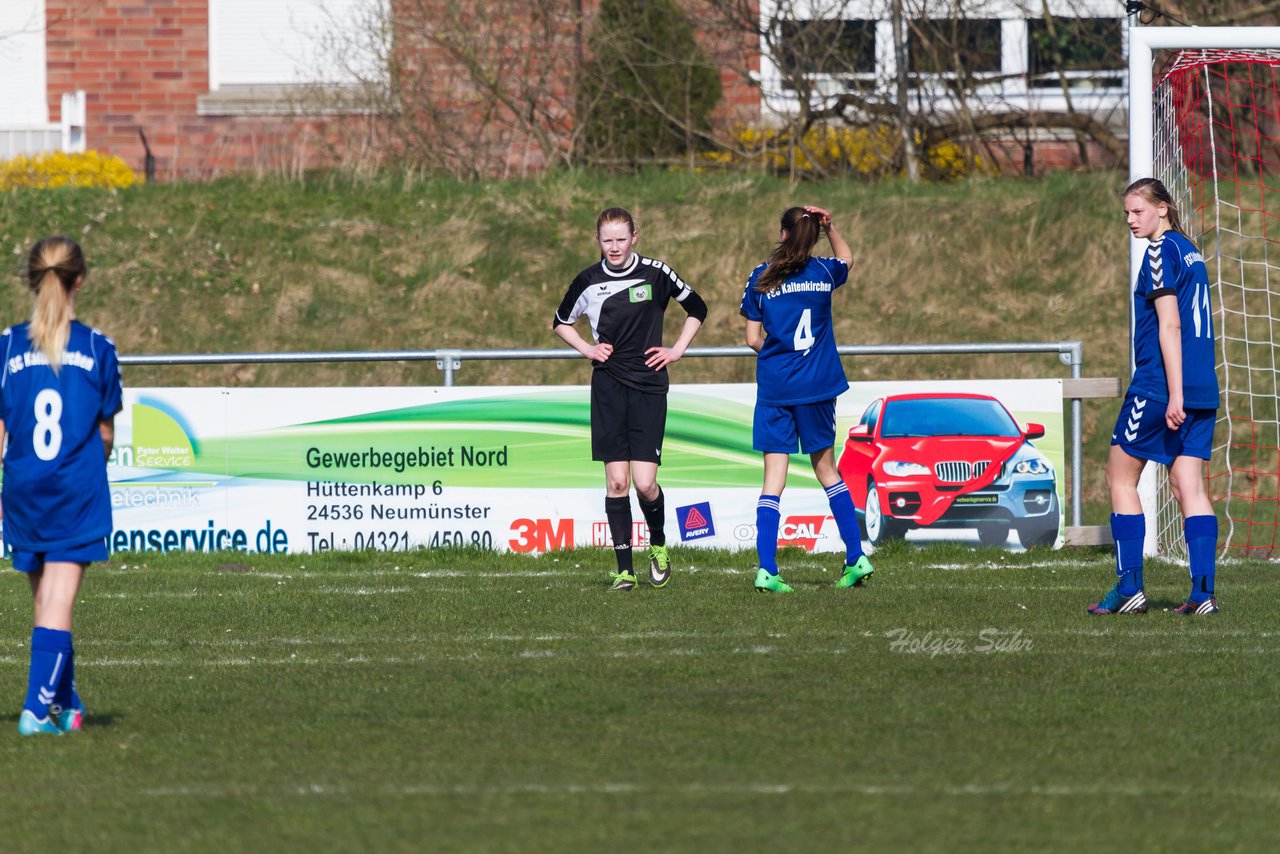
[[867, 151], [60, 169]]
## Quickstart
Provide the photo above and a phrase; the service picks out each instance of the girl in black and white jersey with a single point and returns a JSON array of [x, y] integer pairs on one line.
[[625, 298]]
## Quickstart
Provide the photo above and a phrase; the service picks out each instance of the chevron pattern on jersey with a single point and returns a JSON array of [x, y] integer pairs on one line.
[[1155, 260]]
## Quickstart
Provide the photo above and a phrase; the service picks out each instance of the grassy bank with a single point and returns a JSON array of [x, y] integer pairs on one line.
[[398, 262]]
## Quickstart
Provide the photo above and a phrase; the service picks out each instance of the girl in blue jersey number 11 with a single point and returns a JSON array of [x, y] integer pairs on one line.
[[59, 394], [787, 305], [1171, 406]]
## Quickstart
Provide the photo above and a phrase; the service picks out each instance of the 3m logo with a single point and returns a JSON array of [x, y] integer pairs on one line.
[[641, 294], [695, 521], [541, 535], [801, 531]]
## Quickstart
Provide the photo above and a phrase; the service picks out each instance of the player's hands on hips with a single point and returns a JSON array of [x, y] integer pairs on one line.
[[660, 357], [824, 216], [601, 353], [1174, 414]]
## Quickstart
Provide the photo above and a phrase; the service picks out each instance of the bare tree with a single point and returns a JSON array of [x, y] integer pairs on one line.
[[469, 88], [944, 78]]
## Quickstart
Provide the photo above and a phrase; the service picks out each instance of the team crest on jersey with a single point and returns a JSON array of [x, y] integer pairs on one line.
[[643, 293]]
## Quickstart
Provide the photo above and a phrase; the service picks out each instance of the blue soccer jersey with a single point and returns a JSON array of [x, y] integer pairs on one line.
[[55, 476], [1173, 267], [798, 362]]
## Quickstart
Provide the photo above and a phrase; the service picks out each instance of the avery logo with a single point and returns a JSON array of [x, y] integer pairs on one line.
[[695, 521], [801, 531]]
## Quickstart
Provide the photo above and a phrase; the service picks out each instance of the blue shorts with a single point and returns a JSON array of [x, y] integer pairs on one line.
[[1141, 431], [776, 428], [35, 561]]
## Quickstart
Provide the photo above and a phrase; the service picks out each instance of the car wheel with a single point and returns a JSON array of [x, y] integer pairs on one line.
[[880, 528], [1040, 531], [993, 533]]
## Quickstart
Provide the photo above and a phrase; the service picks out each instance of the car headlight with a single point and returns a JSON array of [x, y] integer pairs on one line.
[[898, 468], [1033, 466]]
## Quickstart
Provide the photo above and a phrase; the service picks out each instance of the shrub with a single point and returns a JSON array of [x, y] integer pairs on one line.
[[60, 169], [648, 90], [871, 152]]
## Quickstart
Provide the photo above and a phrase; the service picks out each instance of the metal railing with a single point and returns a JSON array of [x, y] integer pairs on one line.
[[449, 362]]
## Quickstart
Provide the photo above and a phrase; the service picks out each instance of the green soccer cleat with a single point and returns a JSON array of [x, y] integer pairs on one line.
[[766, 583], [659, 566], [624, 580], [856, 575]]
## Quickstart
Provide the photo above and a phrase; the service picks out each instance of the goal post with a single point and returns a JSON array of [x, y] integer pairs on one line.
[[1205, 120]]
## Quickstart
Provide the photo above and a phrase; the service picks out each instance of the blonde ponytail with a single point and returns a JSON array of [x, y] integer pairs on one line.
[[51, 319], [54, 267]]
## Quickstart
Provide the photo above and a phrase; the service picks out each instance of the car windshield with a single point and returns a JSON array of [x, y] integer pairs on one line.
[[947, 416]]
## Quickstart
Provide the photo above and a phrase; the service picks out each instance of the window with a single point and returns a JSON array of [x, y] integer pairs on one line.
[[22, 65], [871, 416], [1082, 47], [935, 45], [290, 42], [838, 48]]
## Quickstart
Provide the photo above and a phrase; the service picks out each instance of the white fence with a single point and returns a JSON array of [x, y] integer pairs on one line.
[[66, 135]]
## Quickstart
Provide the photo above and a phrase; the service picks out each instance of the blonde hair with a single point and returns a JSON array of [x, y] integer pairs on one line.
[[1155, 192], [54, 267]]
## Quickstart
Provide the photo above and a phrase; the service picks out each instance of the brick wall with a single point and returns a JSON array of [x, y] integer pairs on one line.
[[143, 65]]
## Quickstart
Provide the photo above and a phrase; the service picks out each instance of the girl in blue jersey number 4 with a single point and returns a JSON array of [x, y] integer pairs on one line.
[[1170, 408], [59, 394], [787, 305]]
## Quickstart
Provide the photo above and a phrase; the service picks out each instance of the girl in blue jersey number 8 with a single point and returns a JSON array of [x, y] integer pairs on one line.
[[59, 394], [787, 305], [1171, 406]]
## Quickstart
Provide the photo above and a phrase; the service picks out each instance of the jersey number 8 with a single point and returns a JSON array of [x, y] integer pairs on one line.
[[47, 437]]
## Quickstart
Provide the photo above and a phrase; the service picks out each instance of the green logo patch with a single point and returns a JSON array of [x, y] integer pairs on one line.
[[643, 293]]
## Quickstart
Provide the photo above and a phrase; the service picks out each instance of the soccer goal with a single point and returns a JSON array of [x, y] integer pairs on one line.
[[1204, 118]]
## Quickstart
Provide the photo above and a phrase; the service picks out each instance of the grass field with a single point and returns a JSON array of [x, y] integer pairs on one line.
[[468, 701]]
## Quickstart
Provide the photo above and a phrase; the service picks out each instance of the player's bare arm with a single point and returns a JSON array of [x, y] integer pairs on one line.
[[660, 357], [1171, 355], [599, 352]]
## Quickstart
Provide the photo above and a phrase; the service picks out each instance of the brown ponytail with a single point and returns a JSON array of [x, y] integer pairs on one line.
[[792, 254], [54, 267]]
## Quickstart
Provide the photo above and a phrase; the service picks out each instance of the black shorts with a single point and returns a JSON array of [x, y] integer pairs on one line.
[[626, 424]]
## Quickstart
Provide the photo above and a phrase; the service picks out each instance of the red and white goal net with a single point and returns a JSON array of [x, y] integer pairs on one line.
[[1216, 145]]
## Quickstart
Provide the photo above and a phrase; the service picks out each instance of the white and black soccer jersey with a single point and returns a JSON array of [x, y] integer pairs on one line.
[[798, 362], [625, 308], [55, 476], [1173, 267]]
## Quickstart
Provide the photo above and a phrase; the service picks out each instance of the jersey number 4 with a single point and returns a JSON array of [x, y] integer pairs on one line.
[[47, 436], [803, 339]]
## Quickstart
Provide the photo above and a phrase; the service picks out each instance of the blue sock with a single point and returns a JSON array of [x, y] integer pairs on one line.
[[846, 517], [66, 697], [1129, 530], [50, 649], [768, 514], [1202, 546]]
